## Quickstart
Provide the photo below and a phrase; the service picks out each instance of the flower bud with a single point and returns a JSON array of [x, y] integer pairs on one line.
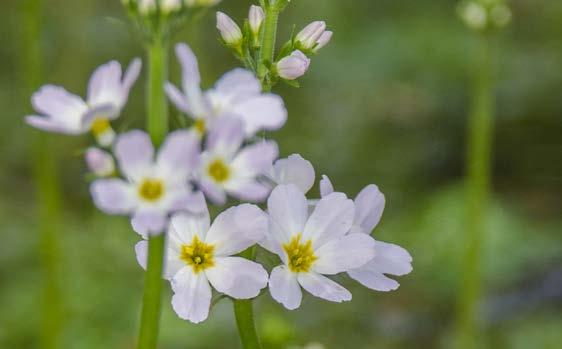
[[308, 37], [294, 66], [147, 7], [500, 15], [323, 40], [100, 162], [474, 15], [201, 3], [256, 18], [229, 30]]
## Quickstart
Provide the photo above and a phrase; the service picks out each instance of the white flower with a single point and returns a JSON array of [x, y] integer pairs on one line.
[[152, 188], [293, 170], [63, 112], [308, 37], [100, 162], [226, 168], [323, 40], [229, 30], [312, 246], [236, 95], [389, 258], [256, 18], [293, 66], [199, 255]]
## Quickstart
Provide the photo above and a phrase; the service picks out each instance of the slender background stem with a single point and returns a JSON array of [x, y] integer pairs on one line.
[[157, 125], [47, 188], [267, 50], [479, 157]]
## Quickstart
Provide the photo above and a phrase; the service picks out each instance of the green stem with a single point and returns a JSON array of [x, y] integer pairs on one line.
[[157, 125], [479, 156], [268, 39], [244, 313], [48, 193]]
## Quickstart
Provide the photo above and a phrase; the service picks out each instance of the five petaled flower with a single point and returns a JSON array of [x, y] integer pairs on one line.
[[64, 112], [152, 188], [312, 245], [200, 255]]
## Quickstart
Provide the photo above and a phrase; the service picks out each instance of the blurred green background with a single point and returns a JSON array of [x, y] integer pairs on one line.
[[386, 102]]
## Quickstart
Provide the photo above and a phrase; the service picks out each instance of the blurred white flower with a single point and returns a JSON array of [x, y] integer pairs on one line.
[[293, 66], [388, 258], [154, 187], [312, 246], [293, 170], [100, 162], [237, 95], [63, 112], [200, 255], [229, 30], [474, 15]]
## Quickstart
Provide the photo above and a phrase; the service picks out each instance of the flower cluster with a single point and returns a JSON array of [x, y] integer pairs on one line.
[[484, 15], [165, 190]]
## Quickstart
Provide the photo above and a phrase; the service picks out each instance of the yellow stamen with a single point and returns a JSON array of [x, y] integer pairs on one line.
[[218, 170], [198, 255], [300, 255], [200, 126], [151, 189], [100, 125]]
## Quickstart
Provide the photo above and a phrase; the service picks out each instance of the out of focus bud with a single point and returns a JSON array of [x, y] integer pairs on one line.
[[483, 15], [474, 15], [323, 40], [500, 15], [294, 66], [201, 3], [255, 18], [100, 162], [307, 38], [147, 7], [229, 30]]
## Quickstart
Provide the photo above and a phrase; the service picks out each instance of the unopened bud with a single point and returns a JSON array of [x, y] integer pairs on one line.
[[323, 40], [294, 66], [474, 15], [100, 162], [308, 37], [256, 18], [229, 30]]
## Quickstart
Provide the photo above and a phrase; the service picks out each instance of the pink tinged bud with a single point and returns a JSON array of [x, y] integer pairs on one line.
[[294, 66], [100, 162], [310, 34], [229, 30], [256, 18], [323, 40]]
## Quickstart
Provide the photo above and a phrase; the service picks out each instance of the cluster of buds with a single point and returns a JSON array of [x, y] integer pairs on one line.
[[290, 63], [485, 15]]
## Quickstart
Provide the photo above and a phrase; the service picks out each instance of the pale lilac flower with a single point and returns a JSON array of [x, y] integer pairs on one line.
[[323, 40], [308, 37], [237, 94], [256, 18], [229, 30], [100, 162], [153, 187], [293, 170], [312, 246], [200, 255], [389, 258], [293, 66], [228, 168], [63, 112]]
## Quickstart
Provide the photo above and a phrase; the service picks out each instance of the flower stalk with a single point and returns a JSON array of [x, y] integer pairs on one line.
[[267, 50], [479, 157]]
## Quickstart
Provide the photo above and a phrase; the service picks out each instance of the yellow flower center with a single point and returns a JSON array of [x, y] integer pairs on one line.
[[200, 126], [198, 255], [218, 170], [151, 189], [100, 125], [300, 255]]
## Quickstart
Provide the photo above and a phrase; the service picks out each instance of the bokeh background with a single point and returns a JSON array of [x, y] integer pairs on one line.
[[387, 103]]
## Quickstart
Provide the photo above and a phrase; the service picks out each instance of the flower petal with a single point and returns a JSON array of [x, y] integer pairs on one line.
[[226, 137], [294, 170], [113, 196], [105, 85], [149, 223], [131, 76], [332, 218], [185, 226], [326, 187], [369, 205], [213, 192], [288, 212], [177, 97], [179, 155], [255, 159], [239, 84], [134, 153], [265, 112], [348, 252], [192, 295], [284, 287], [60, 107], [189, 65], [248, 190], [322, 287], [237, 277], [236, 229]]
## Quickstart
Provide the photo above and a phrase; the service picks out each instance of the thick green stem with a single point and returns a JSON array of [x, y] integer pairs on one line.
[[157, 125], [48, 193], [268, 39], [244, 312], [479, 157]]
